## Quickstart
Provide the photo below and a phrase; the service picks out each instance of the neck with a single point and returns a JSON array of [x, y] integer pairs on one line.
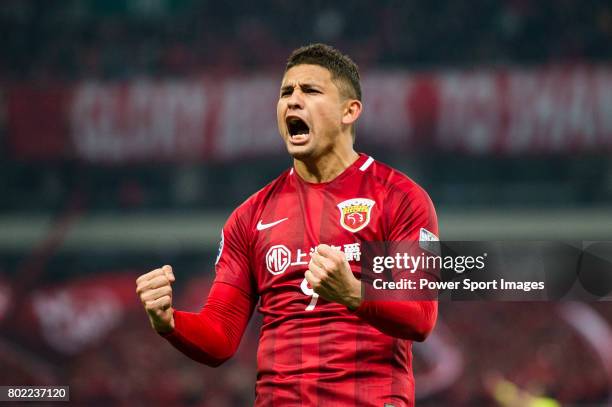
[[326, 167]]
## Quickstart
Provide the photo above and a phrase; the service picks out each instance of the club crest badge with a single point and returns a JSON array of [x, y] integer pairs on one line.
[[355, 213]]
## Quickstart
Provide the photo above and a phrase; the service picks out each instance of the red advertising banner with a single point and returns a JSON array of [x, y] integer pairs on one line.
[[139, 121], [37, 121], [504, 111], [552, 110]]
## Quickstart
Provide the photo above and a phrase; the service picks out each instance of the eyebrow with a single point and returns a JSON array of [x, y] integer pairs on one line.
[[303, 86]]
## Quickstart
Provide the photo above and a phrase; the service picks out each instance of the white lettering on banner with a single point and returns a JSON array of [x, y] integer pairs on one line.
[[469, 116], [524, 117], [248, 118], [385, 98], [549, 109], [552, 111], [144, 120]]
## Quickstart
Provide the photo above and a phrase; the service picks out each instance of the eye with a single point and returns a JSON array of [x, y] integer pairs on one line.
[[286, 92]]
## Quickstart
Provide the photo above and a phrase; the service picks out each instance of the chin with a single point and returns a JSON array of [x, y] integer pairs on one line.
[[300, 155], [300, 152]]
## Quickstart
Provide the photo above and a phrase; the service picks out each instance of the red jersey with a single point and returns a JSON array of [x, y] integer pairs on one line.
[[312, 351]]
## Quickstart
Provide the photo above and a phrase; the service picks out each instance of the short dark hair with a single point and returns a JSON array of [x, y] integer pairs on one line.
[[344, 71]]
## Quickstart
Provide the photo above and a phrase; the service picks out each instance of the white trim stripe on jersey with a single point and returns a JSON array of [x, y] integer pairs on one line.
[[366, 164], [291, 172]]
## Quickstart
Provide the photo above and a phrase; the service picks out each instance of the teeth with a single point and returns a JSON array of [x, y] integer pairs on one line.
[[299, 136]]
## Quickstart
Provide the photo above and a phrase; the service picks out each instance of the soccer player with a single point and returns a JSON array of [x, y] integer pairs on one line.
[[293, 249]]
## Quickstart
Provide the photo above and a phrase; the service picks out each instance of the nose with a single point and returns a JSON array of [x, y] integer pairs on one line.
[[295, 100]]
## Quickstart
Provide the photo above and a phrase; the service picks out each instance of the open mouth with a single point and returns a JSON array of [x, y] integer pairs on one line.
[[297, 127]]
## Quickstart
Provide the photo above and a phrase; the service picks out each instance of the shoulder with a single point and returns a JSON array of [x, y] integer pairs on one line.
[[249, 211], [406, 205], [395, 184]]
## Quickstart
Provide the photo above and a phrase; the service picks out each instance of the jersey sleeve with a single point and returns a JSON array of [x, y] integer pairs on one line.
[[233, 264], [412, 218], [412, 211], [213, 335]]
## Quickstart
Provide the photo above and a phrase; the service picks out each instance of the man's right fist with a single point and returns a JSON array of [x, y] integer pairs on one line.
[[155, 293]]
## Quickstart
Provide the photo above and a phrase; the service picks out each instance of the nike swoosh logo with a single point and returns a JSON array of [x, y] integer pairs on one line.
[[262, 226]]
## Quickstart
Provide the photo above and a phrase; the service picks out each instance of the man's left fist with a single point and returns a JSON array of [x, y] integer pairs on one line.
[[330, 276]]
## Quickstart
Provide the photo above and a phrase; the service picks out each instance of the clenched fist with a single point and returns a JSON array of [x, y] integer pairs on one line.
[[330, 276], [155, 292]]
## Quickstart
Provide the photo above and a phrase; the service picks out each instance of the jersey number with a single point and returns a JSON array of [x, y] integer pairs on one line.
[[309, 292]]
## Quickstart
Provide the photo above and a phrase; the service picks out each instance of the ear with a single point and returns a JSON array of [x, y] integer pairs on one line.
[[352, 110]]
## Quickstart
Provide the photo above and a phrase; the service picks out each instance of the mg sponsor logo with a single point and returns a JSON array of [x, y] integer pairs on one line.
[[278, 258]]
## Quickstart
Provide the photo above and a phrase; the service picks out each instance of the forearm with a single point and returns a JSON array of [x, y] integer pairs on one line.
[[213, 335], [412, 320]]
